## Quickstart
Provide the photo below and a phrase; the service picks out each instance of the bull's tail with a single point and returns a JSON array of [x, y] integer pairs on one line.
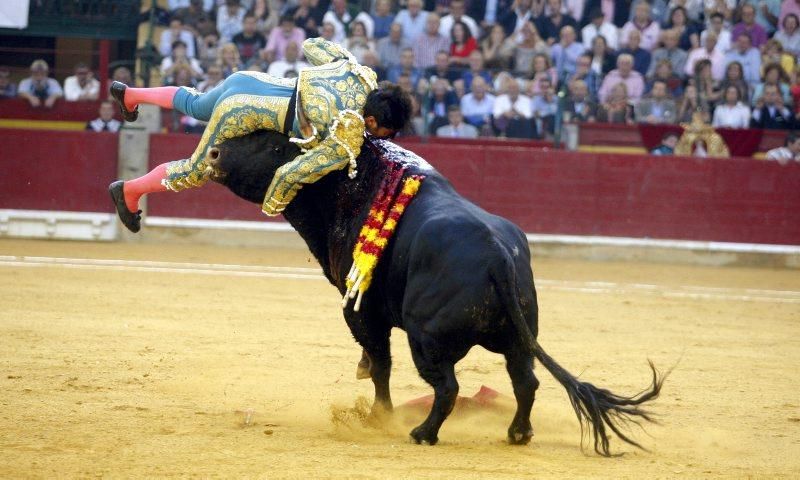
[[598, 410]]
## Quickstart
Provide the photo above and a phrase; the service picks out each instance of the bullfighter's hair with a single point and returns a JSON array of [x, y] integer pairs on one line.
[[390, 106]]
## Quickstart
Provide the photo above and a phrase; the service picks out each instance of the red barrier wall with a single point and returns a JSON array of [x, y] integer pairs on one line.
[[57, 170], [63, 110]]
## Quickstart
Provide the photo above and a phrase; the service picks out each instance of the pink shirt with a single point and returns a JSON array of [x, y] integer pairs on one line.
[[649, 35], [277, 41], [787, 7], [634, 82]]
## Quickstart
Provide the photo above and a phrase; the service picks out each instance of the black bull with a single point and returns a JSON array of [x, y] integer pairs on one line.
[[453, 276]]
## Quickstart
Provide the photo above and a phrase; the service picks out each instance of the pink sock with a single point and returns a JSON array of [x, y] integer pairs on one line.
[[161, 96], [149, 183]]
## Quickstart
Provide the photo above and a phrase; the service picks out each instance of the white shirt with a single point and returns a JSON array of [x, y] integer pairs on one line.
[[782, 154], [522, 105], [279, 68], [167, 37], [446, 24], [73, 90], [606, 30], [472, 107], [737, 116], [723, 40]]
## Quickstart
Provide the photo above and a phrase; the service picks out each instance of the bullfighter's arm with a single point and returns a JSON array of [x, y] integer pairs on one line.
[[335, 152], [319, 51]]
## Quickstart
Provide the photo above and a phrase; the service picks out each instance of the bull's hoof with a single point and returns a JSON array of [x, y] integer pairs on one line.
[[422, 436], [519, 436], [131, 220], [118, 94]]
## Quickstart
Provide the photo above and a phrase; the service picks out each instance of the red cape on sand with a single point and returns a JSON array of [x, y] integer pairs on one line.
[[485, 398]]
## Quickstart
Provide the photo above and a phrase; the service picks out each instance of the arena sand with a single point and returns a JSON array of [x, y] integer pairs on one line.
[[135, 373]]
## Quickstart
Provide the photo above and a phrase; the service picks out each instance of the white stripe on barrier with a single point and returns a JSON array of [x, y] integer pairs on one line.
[[301, 273]]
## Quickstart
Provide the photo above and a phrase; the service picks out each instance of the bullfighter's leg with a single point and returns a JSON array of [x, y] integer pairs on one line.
[[520, 369], [440, 374]]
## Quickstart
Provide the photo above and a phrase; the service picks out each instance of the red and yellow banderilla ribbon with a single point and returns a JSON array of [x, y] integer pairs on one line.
[[378, 229]]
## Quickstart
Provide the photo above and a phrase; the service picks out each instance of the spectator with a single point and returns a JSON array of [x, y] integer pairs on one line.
[[174, 33], [177, 60], [693, 103], [8, 89], [358, 43], [542, 68], [667, 145], [229, 60], [641, 57], [544, 105], [715, 26], [497, 49], [441, 99], [457, 128], [442, 69], [789, 7], [306, 17], [341, 15], [462, 44], [656, 107], [192, 16], [694, 8], [413, 20], [641, 22], [566, 52], [665, 74], [382, 19], [732, 113], [458, 14], [176, 5], [617, 107], [603, 59], [723, 7], [515, 19], [550, 26], [39, 89], [476, 69], [512, 113], [708, 52], [767, 13], [81, 86], [478, 105], [249, 41], [670, 51], [688, 33], [774, 75], [389, 47], [529, 46], [579, 106], [624, 73], [748, 56], [290, 61], [429, 43], [734, 76], [707, 88], [770, 111], [406, 67], [208, 50], [789, 152], [280, 37], [328, 31], [230, 20], [584, 72], [749, 27], [213, 78], [773, 53], [599, 26], [789, 34], [105, 122], [659, 10]]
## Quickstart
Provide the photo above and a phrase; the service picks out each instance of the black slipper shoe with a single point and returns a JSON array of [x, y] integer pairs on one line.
[[132, 221], [118, 92]]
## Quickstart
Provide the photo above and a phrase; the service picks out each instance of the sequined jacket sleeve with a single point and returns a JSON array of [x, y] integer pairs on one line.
[[319, 51], [335, 152]]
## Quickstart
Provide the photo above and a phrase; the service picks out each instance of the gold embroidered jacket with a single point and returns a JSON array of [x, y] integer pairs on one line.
[[330, 100]]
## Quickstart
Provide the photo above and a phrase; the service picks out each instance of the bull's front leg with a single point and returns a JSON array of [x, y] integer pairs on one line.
[[375, 341]]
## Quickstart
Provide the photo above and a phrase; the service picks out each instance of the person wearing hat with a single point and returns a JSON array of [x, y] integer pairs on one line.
[[39, 89], [599, 26], [321, 110]]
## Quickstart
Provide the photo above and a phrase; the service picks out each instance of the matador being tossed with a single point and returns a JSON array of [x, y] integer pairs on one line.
[[323, 111]]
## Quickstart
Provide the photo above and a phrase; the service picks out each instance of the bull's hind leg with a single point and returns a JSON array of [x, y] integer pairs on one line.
[[440, 374], [520, 369]]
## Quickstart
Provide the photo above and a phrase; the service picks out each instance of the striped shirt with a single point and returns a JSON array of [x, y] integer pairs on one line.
[[426, 47]]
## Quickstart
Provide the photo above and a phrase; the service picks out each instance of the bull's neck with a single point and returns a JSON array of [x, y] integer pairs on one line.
[[329, 213]]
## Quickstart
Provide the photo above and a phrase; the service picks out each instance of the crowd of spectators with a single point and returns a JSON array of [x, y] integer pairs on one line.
[[504, 67]]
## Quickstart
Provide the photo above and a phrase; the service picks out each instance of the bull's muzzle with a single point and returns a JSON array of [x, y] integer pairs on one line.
[[213, 165]]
